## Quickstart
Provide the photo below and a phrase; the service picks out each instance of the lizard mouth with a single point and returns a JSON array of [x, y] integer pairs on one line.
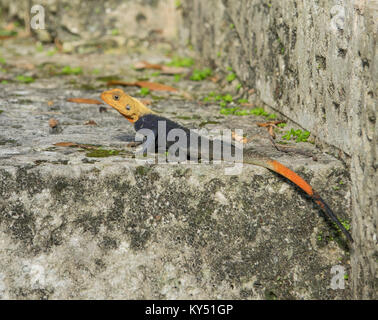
[[129, 118]]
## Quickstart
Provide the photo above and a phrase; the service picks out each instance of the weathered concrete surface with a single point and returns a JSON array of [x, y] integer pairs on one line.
[[315, 62], [77, 226], [71, 228]]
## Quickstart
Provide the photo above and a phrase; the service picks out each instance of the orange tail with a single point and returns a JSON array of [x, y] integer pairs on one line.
[[301, 183]]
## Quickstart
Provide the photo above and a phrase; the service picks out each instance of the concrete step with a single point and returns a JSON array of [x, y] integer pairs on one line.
[[74, 225]]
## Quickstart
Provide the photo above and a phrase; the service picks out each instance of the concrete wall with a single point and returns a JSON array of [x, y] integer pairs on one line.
[[315, 62], [312, 60]]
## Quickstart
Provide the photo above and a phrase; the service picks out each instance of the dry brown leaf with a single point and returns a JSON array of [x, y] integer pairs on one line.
[[66, 144], [146, 65], [239, 138], [164, 69], [84, 100], [214, 79], [10, 26], [158, 31], [121, 83], [91, 123], [271, 132], [153, 86], [24, 65], [173, 70], [53, 122], [73, 144], [249, 105], [50, 103], [269, 123], [6, 37], [58, 44], [86, 146]]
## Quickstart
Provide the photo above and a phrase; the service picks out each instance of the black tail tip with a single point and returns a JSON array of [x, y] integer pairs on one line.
[[323, 205]]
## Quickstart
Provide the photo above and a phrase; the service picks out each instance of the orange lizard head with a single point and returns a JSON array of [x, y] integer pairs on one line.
[[131, 108]]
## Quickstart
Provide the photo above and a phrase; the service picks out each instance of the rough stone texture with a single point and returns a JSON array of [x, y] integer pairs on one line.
[[315, 62], [76, 226], [85, 21]]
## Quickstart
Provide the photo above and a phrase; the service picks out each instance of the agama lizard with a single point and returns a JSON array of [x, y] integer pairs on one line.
[[143, 117]]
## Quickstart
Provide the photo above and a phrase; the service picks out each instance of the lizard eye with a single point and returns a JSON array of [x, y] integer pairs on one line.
[[116, 97], [128, 107]]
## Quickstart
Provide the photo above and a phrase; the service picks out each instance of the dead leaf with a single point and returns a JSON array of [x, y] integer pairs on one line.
[[239, 138], [91, 123], [86, 146], [158, 31], [249, 105], [271, 132], [164, 69], [173, 70], [58, 44], [269, 123], [65, 144], [84, 100], [251, 91], [146, 65], [10, 26], [153, 86], [50, 103], [53, 122], [24, 65], [73, 144], [214, 79], [6, 37], [121, 83]]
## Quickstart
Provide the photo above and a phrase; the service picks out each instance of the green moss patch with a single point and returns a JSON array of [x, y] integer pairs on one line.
[[183, 62], [108, 78], [202, 124], [24, 79], [298, 135], [199, 75], [102, 153], [67, 70]]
